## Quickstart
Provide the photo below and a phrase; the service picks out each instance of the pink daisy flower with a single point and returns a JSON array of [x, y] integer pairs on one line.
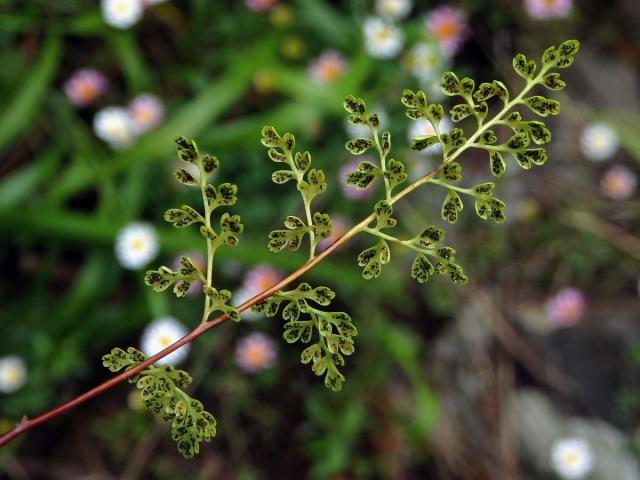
[[618, 183], [260, 5], [328, 67], [448, 26], [146, 112], [260, 278], [545, 9], [340, 227], [255, 352], [200, 262], [85, 86], [566, 307], [351, 191]]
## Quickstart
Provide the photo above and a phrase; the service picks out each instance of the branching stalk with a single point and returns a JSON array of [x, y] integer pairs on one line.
[[424, 244]]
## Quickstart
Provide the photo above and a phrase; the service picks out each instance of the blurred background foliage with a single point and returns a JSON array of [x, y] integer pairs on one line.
[[438, 370]]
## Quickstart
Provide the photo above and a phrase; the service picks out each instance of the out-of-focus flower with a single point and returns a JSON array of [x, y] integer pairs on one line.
[[566, 307], [13, 374], [84, 86], [146, 112], [136, 245], [598, 141], [256, 280], [292, 47], [351, 191], [382, 39], [571, 458], [260, 5], [448, 26], [114, 126], [618, 183], [393, 9], [527, 209], [240, 296], [340, 227], [200, 263], [328, 67], [424, 61], [161, 333], [423, 127], [261, 277], [281, 16], [121, 13], [134, 400], [545, 9], [263, 81], [255, 352]]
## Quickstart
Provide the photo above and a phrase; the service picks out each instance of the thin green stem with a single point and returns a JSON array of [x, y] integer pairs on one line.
[[305, 201], [307, 211], [467, 191], [210, 249], [384, 236], [383, 161], [498, 148]]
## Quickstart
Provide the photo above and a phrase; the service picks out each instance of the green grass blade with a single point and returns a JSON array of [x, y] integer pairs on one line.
[[27, 101]]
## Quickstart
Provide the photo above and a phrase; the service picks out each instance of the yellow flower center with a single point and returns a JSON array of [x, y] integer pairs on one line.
[[571, 458], [11, 374], [86, 91], [137, 244], [121, 7], [144, 115], [447, 29], [256, 355], [331, 71], [383, 35]]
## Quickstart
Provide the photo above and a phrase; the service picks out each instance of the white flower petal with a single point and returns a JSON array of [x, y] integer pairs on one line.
[[161, 333], [571, 458], [121, 13], [382, 39], [598, 141], [114, 126], [393, 9], [13, 374], [136, 245]]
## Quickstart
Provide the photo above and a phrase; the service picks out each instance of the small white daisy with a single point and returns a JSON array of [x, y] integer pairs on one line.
[[146, 112], [598, 141], [423, 127], [121, 13], [425, 61], [136, 245], [114, 126], [382, 39], [13, 374], [571, 458], [161, 333], [393, 9]]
